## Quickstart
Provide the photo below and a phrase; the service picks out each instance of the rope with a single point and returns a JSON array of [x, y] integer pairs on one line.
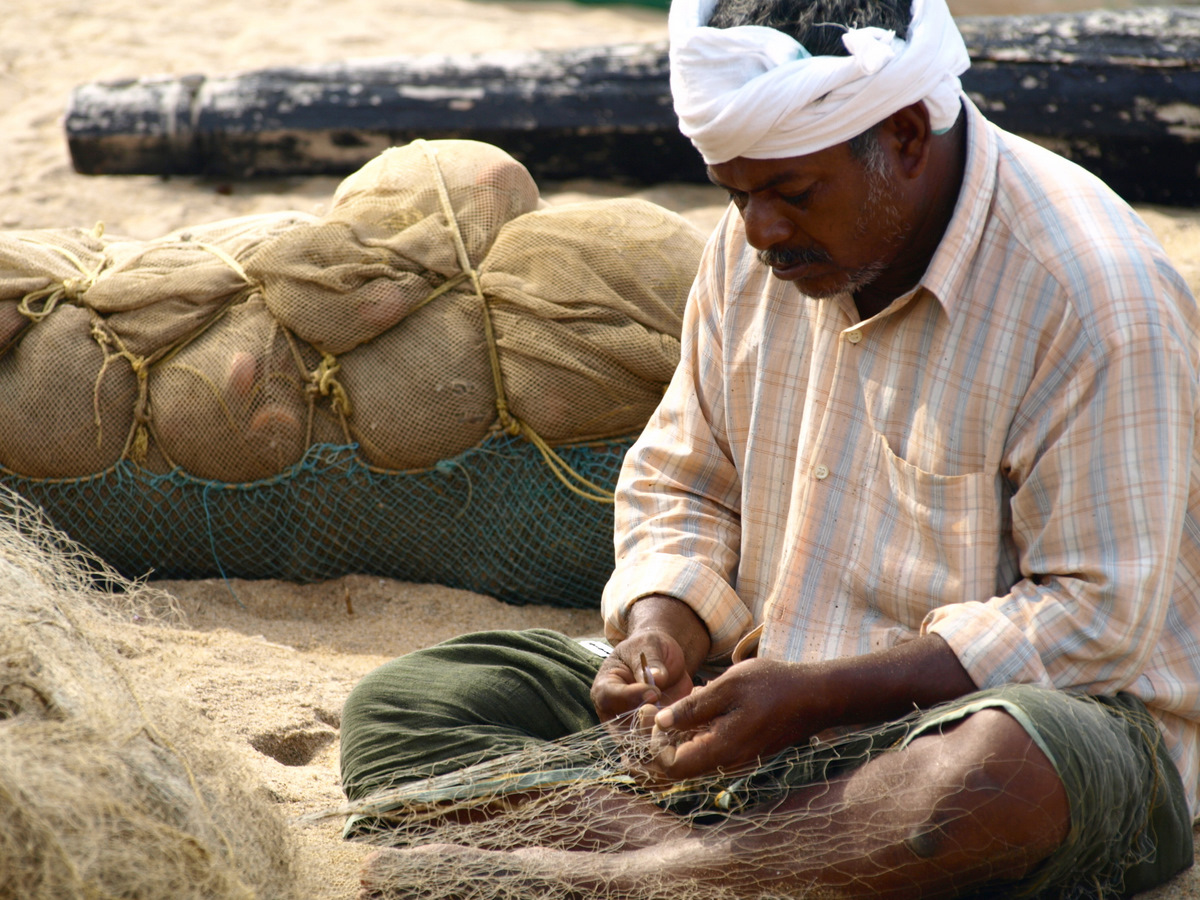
[[70, 289], [563, 471], [443, 288], [137, 442], [324, 381], [225, 258], [509, 423]]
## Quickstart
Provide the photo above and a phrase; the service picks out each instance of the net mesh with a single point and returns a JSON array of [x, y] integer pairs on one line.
[[495, 520], [573, 819], [111, 786], [351, 383]]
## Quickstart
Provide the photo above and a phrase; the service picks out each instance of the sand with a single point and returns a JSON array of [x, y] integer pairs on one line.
[[270, 663]]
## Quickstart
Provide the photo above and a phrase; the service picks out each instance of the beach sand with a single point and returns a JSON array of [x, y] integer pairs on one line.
[[270, 663]]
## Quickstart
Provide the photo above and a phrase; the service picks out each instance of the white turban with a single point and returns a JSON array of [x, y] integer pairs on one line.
[[755, 92]]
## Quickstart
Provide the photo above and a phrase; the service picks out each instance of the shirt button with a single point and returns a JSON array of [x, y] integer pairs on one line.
[[854, 336], [821, 472]]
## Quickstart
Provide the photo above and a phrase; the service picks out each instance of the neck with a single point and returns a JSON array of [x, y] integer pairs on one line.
[[933, 198]]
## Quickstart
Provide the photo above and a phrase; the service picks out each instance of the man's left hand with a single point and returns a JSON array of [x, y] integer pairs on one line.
[[759, 707]]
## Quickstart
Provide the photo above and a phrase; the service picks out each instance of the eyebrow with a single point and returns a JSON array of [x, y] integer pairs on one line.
[[765, 186]]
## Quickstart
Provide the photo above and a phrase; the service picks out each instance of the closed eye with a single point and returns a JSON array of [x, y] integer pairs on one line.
[[798, 200]]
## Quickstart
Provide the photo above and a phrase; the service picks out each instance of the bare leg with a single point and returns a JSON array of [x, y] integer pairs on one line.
[[978, 803]]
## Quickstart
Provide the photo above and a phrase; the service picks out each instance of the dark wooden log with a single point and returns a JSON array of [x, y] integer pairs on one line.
[[1117, 91], [600, 111]]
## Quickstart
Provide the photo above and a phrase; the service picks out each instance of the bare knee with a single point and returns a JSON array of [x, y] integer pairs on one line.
[[995, 798]]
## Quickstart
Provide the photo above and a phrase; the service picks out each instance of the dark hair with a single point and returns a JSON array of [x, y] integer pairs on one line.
[[817, 24]]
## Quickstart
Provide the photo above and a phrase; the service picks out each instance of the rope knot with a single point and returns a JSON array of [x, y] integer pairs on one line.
[[324, 382], [74, 288], [509, 424]]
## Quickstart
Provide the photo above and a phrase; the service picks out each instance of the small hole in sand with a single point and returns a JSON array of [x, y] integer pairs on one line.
[[292, 748], [328, 717]]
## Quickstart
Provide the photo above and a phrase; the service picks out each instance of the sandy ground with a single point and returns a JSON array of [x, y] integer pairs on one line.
[[270, 663]]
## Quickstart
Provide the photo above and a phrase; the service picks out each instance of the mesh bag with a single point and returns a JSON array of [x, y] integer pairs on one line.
[[49, 430], [422, 412], [156, 294], [390, 239], [235, 405], [584, 301], [364, 369], [38, 269]]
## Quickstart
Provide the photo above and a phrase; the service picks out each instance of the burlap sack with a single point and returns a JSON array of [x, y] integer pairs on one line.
[[64, 411], [423, 390], [387, 242], [587, 303], [231, 405]]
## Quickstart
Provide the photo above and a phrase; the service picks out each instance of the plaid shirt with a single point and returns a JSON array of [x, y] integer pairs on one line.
[[1003, 457]]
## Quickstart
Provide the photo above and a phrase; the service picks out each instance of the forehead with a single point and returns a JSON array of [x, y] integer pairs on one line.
[[753, 175]]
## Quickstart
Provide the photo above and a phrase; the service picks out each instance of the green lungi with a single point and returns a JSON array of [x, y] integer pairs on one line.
[[483, 696]]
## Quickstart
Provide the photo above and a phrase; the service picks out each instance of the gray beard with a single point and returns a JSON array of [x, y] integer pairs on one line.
[[880, 207]]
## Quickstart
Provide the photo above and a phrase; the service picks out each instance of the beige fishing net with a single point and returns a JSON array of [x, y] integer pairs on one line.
[[437, 301], [573, 820], [111, 787]]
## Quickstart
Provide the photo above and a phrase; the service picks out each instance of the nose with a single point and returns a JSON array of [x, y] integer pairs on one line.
[[766, 225]]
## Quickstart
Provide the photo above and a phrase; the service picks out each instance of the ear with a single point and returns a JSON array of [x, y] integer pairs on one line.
[[908, 135]]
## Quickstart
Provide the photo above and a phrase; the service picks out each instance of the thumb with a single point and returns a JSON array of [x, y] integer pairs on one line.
[[688, 713], [652, 670]]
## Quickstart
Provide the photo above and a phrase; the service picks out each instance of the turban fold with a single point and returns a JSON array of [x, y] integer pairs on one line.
[[756, 92]]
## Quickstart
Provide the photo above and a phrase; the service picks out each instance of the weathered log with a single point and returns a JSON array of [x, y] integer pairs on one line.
[[1117, 91]]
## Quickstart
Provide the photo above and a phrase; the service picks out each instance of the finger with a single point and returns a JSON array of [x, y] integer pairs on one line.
[[645, 719], [694, 710], [614, 697], [700, 754], [650, 756]]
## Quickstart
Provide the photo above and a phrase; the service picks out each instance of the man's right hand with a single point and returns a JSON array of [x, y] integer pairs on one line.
[[673, 641]]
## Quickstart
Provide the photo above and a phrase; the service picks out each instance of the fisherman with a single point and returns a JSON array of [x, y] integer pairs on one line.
[[926, 470]]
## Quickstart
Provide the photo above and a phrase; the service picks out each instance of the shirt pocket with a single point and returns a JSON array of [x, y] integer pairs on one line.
[[924, 540]]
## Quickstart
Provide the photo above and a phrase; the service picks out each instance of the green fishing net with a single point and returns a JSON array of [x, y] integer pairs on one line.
[[434, 380]]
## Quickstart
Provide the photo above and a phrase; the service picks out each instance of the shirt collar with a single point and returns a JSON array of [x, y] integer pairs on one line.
[[949, 268]]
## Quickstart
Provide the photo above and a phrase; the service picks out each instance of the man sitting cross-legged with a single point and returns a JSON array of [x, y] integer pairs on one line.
[[922, 494]]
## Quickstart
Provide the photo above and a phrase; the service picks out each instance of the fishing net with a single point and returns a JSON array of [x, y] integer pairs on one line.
[[573, 819], [495, 520], [109, 785], [162, 398]]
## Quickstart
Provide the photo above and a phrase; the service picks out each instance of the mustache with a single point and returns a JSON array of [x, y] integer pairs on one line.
[[782, 258]]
